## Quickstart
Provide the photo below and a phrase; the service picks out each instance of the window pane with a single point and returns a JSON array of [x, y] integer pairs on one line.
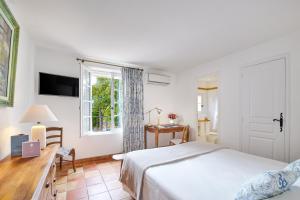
[[86, 101], [101, 110], [86, 124], [199, 103], [86, 77], [117, 121], [86, 109], [101, 99], [86, 93], [117, 94], [199, 99]]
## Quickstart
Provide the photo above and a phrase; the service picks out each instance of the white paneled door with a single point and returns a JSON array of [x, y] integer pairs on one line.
[[263, 109]]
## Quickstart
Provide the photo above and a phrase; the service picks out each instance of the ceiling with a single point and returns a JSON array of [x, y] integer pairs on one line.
[[165, 34], [209, 81]]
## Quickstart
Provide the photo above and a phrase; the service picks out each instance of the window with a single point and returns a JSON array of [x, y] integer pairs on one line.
[[100, 99], [199, 100]]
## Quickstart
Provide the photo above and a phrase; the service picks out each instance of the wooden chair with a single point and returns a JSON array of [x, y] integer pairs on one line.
[[185, 137], [62, 152]]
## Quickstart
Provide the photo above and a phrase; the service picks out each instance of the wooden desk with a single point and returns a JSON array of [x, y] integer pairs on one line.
[[29, 178], [161, 129]]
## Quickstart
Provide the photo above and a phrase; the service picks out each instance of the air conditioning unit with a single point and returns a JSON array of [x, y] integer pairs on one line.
[[158, 79]]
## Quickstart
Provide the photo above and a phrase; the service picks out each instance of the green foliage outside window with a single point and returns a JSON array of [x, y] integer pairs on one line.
[[102, 109]]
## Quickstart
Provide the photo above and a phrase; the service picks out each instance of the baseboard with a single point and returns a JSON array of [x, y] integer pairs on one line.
[[97, 159]]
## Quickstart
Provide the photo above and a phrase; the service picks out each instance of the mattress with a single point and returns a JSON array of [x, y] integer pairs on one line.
[[217, 175]]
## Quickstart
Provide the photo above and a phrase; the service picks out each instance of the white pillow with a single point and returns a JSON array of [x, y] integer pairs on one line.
[[266, 185], [295, 167]]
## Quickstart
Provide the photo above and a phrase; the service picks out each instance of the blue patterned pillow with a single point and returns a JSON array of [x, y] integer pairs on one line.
[[266, 185], [295, 167]]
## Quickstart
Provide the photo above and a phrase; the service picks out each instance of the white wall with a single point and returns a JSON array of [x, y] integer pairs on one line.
[[10, 116], [228, 69], [67, 108], [162, 97]]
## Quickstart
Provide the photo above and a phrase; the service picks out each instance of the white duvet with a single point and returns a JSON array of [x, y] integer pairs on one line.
[[214, 176], [136, 163], [217, 175]]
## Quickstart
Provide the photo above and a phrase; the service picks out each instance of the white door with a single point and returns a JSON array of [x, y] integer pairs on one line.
[[263, 109]]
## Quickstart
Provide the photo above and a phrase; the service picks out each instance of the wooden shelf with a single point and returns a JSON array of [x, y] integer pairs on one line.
[[203, 120]]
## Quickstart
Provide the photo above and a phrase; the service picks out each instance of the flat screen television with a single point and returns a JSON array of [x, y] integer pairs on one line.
[[51, 84]]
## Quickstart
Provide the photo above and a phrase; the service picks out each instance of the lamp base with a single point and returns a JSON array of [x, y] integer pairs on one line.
[[38, 133]]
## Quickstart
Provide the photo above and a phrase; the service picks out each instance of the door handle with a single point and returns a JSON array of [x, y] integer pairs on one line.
[[280, 120]]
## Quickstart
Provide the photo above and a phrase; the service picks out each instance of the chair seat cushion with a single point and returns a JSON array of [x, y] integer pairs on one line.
[[63, 152], [176, 141]]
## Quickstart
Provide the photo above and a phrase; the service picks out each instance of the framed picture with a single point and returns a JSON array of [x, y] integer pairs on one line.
[[9, 38]]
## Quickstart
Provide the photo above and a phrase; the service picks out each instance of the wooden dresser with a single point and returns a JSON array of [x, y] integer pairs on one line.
[[29, 178]]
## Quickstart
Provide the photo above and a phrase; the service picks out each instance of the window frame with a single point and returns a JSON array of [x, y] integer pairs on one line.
[[114, 74]]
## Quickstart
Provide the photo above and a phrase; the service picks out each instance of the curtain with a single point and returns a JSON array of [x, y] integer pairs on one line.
[[133, 109]]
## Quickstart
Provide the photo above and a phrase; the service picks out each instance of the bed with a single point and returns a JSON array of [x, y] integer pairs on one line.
[[194, 170]]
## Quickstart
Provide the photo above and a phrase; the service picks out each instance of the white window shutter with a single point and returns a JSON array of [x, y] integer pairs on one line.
[[86, 101]]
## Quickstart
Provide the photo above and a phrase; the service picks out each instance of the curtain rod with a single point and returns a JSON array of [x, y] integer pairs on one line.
[[105, 63]]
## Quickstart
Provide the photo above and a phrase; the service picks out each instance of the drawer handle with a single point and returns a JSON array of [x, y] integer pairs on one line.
[[47, 185]]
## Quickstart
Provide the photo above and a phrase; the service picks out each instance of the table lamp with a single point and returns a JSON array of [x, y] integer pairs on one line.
[[38, 114], [158, 110]]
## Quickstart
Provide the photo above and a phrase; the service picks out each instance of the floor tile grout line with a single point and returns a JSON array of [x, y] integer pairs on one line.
[[105, 185], [101, 174]]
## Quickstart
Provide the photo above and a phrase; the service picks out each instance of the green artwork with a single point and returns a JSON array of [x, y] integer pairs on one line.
[[9, 37], [5, 44]]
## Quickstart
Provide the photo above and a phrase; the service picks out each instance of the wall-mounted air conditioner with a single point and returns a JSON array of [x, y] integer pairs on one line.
[[158, 79]]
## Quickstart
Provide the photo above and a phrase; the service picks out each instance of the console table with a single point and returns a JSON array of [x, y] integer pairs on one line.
[[29, 178], [167, 128]]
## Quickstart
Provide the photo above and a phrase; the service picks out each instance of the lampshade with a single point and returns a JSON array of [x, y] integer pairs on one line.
[[38, 113]]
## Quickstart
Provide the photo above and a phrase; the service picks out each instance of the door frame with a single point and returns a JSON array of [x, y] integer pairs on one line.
[[217, 73], [287, 120]]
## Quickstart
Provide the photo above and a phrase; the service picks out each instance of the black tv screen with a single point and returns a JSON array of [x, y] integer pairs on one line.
[[51, 84]]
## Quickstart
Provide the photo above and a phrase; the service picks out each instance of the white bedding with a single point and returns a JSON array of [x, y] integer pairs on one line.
[[213, 176], [136, 163]]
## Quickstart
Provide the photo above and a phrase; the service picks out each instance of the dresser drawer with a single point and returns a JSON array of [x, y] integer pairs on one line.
[[48, 191], [53, 179], [34, 175]]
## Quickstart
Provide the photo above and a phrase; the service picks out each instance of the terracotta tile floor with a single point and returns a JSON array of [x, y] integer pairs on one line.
[[92, 181]]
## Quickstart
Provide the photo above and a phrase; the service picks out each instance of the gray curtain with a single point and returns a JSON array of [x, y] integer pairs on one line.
[[133, 109]]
